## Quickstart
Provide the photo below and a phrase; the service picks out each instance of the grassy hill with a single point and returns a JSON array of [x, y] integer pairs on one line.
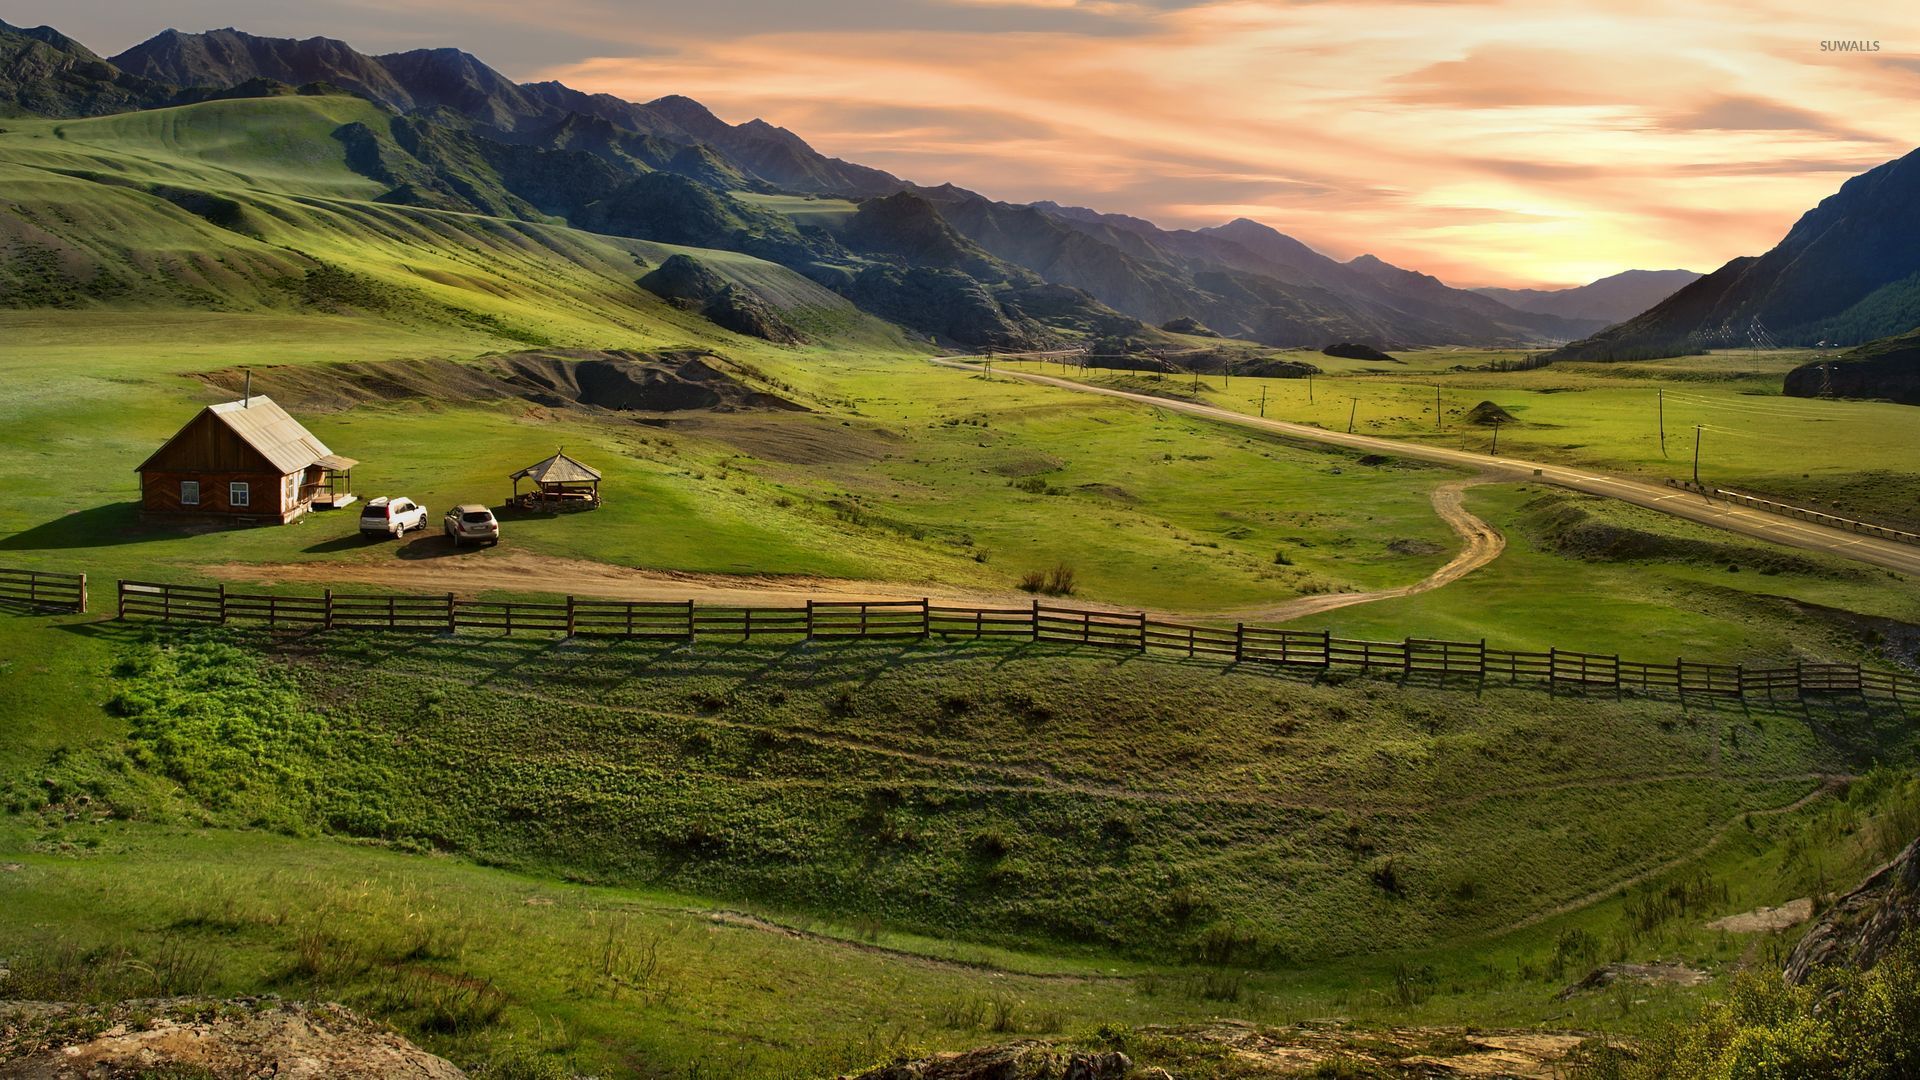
[[930, 845]]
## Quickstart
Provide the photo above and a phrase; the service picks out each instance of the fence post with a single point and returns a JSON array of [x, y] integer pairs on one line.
[[809, 618], [223, 603], [120, 598], [691, 636], [453, 623], [1740, 681], [1239, 641], [1143, 631], [83, 594], [926, 617], [569, 614], [1036, 618], [1799, 678], [1406, 658], [326, 612]]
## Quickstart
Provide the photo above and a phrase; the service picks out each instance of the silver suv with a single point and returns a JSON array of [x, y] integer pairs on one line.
[[471, 521], [391, 517]]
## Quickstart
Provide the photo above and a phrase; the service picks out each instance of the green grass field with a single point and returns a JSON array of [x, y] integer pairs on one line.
[[1845, 457]]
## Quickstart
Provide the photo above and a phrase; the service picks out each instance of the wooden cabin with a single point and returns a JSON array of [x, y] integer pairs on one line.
[[559, 483], [244, 462]]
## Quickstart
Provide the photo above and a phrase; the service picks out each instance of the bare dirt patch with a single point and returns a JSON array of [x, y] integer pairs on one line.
[[614, 381], [1655, 974], [1310, 1049], [196, 1037], [1766, 920]]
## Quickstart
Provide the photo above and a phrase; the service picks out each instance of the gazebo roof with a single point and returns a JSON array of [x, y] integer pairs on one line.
[[558, 469]]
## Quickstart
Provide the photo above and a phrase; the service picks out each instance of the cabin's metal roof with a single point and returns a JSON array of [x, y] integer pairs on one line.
[[266, 427]]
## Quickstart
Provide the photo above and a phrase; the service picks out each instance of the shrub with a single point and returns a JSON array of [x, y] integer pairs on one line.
[[1058, 581], [1844, 1023]]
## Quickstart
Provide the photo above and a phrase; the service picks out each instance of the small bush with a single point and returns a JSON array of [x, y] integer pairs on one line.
[[1058, 581]]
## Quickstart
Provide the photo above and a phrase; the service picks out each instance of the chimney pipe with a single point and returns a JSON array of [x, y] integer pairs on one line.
[[246, 396]]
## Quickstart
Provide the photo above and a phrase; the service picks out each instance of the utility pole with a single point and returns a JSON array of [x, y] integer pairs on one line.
[[1263, 401], [1663, 422], [1351, 413], [1696, 455], [1496, 438], [1309, 389], [1439, 419]]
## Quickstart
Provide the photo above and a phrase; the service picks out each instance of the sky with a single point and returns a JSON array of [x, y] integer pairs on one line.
[[1483, 141]]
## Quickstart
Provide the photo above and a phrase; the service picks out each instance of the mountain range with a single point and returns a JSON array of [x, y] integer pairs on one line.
[[942, 261], [1847, 272], [1611, 299]]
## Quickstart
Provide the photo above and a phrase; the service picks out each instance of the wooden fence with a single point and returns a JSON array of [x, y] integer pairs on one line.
[[1424, 658], [39, 590]]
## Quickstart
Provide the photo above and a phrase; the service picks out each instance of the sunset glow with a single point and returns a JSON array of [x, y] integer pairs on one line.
[[1485, 142]]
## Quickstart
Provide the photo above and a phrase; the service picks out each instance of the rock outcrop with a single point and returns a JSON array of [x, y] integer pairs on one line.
[[1865, 924]]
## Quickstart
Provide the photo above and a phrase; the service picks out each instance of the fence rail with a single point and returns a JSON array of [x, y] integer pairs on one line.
[[1430, 658], [41, 590]]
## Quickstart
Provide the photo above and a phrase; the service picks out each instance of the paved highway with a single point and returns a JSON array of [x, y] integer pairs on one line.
[[1682, 504]]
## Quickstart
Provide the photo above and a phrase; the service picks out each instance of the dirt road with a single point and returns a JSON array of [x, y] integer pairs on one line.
[[1481, 543], [517, 571], [1682, 504]]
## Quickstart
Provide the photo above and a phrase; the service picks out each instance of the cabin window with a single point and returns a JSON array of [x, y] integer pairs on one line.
[[189, 493], [239, 494]]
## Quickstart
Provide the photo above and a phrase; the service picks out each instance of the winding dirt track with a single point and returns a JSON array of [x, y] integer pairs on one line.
[[1481, 543], [428, 563], [1692, 506]]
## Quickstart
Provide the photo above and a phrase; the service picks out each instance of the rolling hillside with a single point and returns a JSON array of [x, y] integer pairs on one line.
[[255, 204]]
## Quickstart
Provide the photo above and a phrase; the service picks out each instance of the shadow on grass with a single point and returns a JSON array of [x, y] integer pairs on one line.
[[101, 526], [349, 542]]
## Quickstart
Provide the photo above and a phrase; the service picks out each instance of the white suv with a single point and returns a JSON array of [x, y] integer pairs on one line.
[[391, 517], [471, 521]]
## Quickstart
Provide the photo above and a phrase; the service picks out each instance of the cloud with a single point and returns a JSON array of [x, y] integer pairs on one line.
[[1755, 114]]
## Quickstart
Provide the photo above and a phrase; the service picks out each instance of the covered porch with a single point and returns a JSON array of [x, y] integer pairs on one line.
[[328, 483]]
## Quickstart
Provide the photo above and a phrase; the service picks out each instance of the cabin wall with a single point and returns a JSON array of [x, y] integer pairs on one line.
[[160, 494]]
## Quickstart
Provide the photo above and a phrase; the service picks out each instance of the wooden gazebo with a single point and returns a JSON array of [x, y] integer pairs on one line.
[[559, 483]]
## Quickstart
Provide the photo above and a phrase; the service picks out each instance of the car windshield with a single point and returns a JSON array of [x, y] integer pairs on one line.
[[480, 518]]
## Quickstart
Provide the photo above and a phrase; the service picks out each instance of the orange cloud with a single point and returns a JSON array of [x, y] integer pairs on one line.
[[1485, 142]]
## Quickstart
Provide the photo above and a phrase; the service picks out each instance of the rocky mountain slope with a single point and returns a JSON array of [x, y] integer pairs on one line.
[[45, 73], [1847, 272], [1611, 299]]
